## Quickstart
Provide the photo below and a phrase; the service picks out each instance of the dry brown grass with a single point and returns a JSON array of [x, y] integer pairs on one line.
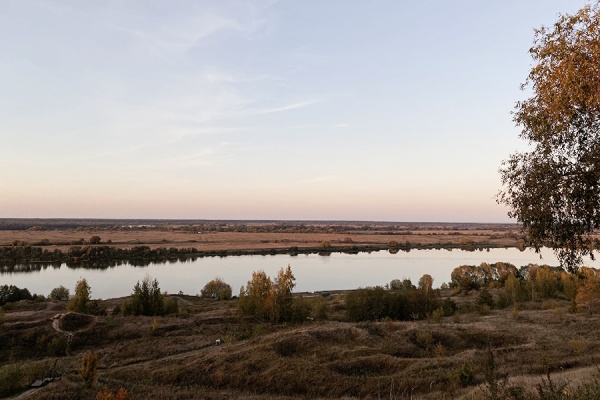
[[218, 241], [176, 358]]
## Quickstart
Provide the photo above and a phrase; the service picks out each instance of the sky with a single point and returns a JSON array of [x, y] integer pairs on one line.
[[389, 110]]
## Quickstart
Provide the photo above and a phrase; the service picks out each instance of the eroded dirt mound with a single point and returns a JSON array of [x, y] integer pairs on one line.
[[74, 321]]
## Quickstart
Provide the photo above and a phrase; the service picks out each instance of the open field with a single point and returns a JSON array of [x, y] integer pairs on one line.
[[175, 357], [241, 236]]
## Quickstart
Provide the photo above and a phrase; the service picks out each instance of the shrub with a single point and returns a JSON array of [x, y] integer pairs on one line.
[[485, 298], [107, 394], [59, 293], [16, 377], [57, 347], [437, 314], [89, 368], [319, 308], [171, 306], [367, 304], [464, 375], [12, 379], [406, 304], [96, 308], [95, 240], [424, 340], [216, 289], [79, 302]]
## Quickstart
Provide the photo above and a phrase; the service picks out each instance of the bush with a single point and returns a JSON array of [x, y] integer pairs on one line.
[[107, 394], [60, 293], [171, 306], [485, 298], [376, 303], [12, 379], [96, 308], [57, 347], [319, 308], [216, 289], [464, 375]]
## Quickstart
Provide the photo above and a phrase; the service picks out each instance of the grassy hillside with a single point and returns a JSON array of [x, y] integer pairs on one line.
[[175, 357]]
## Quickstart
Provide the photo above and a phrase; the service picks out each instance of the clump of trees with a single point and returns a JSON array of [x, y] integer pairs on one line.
[[471, 277], [272, 300], [530, 283], [101, 255], [11, 293], [216, 289], [148, 300], [399, 300]]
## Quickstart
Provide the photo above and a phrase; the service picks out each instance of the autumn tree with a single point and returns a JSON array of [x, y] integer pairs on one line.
[[270, 300], [89, 368], [255, 298], [80, 301], [554, 189], [426, 284], [282, 293]]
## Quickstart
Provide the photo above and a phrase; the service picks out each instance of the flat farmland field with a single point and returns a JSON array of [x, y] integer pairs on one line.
[[239, 237]]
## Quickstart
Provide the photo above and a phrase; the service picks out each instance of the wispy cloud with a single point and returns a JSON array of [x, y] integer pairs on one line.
[[287, 107], [198, 158], [318, 179], [168, 41]]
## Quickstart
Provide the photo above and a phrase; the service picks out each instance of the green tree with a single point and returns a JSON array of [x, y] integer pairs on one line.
[[216, 289], [554, 189], [282, 293], [146, 299], [79, 302], [485, 298], [60, 293]]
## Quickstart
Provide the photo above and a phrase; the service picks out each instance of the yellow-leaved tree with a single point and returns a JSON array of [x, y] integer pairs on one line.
[[267, 300]]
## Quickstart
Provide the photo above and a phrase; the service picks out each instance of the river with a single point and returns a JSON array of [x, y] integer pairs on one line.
[[313, 272]]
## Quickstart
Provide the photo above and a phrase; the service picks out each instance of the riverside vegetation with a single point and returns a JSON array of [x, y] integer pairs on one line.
[[493, 332]]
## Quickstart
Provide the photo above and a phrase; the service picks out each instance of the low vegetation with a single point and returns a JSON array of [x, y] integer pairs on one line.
[[395, 341]]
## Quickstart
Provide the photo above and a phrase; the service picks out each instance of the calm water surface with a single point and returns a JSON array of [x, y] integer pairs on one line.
[[313, 272]]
